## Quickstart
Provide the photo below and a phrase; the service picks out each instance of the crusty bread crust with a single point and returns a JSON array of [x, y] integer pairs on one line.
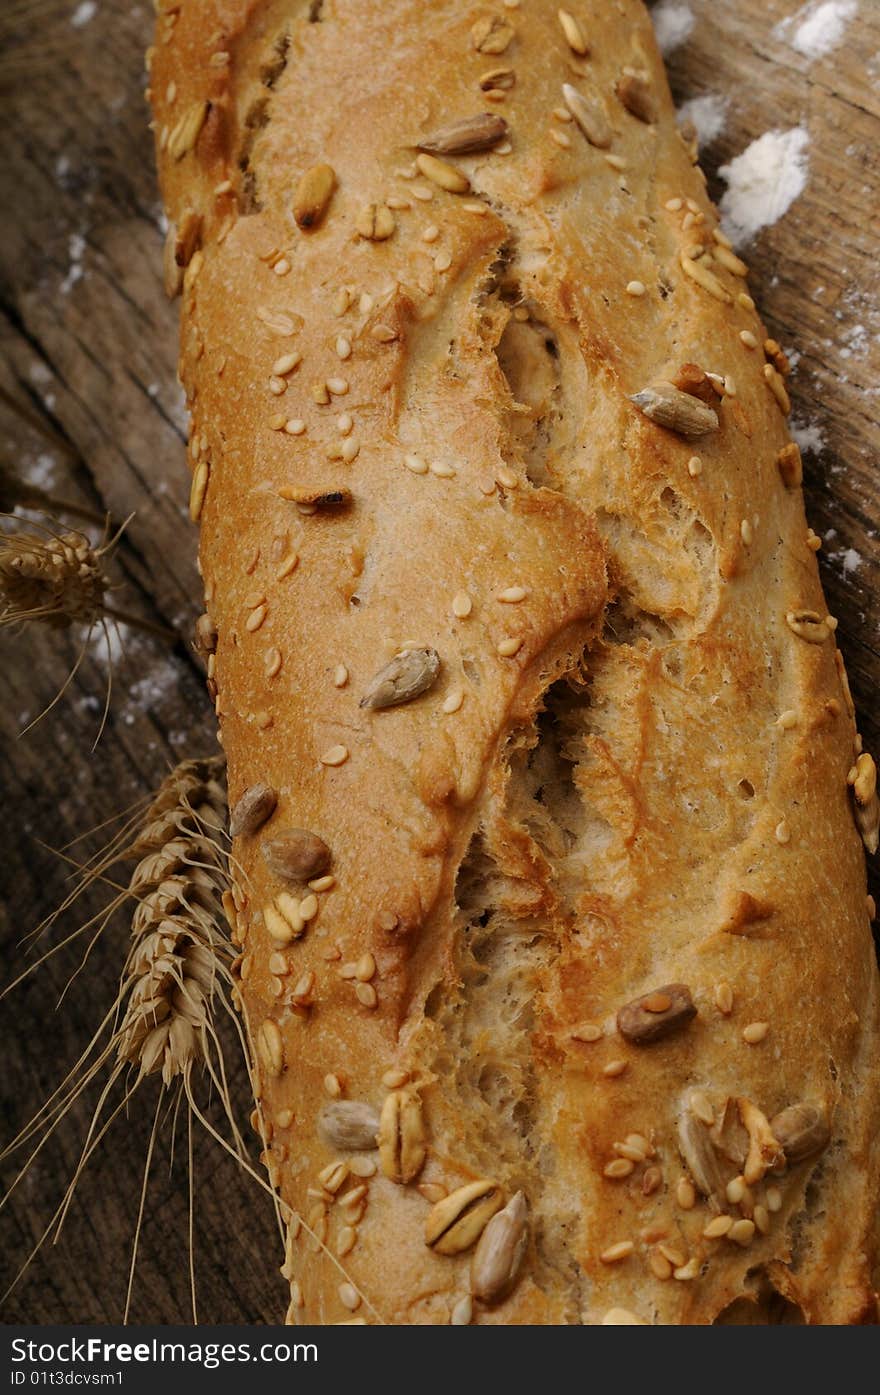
[[412, 425]]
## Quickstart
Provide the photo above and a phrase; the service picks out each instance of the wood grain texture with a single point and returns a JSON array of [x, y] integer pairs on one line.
[[89, 343]]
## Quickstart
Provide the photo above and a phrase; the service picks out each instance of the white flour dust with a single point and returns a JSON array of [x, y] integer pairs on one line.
[[763, 182]]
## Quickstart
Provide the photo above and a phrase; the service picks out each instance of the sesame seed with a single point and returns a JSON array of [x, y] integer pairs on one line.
[[783, 832], [742, 1232], [561, 138], [322, 883], [462, 605], [755, 1032], [198, 491], [362, 1167], [442, 469], [479, 209], [574, 35], [365, 303], [695, 466], [345, 1241], [337, 386], [443, 261], [349, 1297], [341, 301], [745, 532], [308, 907], [349, 450], [673, 205], [745, 300], [343, 347], [277, 386], [286, 364], [344, 424], [397, 202], [562, 114], [774, 1199], [613, 1069], [290, 564], [687, 1271], [282, 267], [277, 421], [340, 676], [724, 998], [685, 1194], [659, 1265], [622, 1250], [416, 464], [509, 646], [636, 288], [453, 701], [588, 1032], [335, 755], [717, 1227], [735, 1190], [273, 662], [256, 618], [507, 478], [393, 1079], [618, 1169], [512, 595], [748, 339], [616, 162], [422, 193], [333, 1086], [365, 968], [762, 1219], [366, 994], [729, 385]]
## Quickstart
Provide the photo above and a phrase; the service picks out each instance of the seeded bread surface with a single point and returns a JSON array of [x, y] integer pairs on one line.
[[411, 386]]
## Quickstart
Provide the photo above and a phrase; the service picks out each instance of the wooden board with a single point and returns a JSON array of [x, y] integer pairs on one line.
[[89, 346]]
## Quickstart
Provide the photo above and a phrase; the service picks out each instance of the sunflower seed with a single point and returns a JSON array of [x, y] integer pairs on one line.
[[313, 194], [808, 625], [801, 1130], [296, 855], [466, 137], [588, 117], [407, 675], [252, 809], [349, 1125], [491, 35], [402, 1136], [457, 1222], [500, 1251], [699, 1155], [205, 634], [375, 222], [677, 411], [656, 1015], [443, 174], [634, 91]]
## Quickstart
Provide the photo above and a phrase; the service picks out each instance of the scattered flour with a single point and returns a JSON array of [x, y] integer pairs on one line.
[[808, 435], [816, 29], [83, 13], [75, 272], [763, 182], [708, 114], [672, 24]]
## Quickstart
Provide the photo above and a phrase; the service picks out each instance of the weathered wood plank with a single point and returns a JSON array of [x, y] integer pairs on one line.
[[88, 340]]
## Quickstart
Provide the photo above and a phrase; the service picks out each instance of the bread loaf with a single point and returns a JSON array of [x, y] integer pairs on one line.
[[541, 755]]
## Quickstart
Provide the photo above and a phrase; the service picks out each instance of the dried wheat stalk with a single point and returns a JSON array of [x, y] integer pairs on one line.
[[175, 985]]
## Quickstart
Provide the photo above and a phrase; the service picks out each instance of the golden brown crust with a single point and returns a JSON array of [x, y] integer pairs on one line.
[[412, 425]]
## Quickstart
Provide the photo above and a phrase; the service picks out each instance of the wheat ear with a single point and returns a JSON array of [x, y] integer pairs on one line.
[[174, 988]]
